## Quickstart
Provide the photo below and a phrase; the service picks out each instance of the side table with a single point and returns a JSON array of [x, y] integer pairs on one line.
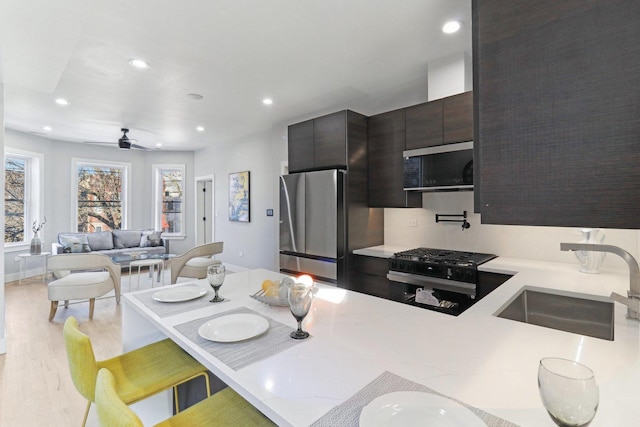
[[148, 262], [23, 261]]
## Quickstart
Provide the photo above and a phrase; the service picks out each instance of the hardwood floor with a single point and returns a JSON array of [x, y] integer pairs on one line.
[[35, 384]]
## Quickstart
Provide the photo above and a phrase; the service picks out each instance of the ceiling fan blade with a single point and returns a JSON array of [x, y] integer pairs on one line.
[[139, 147]]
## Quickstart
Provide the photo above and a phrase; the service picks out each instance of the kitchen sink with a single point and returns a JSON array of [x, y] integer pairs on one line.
[[580, 314]]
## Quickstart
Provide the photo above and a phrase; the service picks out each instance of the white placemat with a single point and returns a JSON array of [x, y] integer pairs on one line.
[[165, 309], [237, 355], [348, 413]]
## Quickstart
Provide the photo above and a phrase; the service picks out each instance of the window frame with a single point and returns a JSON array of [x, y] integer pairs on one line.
[[126, 193], [158, 199], [34, 194]]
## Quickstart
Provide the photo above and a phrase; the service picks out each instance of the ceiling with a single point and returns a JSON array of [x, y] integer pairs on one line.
[[306, 55]]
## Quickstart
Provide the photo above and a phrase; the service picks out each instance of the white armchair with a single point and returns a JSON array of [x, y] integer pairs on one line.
[[98, 276], [194, 262]]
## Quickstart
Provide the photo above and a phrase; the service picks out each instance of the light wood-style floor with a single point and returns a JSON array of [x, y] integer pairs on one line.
[[35, 385]]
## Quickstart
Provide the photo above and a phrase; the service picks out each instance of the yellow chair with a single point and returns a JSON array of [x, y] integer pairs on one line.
[[224, 408], [140, 373]]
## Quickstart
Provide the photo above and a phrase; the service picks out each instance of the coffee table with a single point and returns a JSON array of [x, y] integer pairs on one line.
[[152, 264], [156, 258]]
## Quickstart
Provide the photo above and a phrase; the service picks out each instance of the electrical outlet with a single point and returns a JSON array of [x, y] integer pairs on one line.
[[240, 253], [412, 222]]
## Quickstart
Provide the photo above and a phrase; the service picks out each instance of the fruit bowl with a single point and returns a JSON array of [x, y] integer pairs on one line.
[[273, 301]]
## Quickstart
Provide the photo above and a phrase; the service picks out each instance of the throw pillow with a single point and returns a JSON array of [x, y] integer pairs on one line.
[[126, 238], [100, 240], [150, 238], [73, 242]]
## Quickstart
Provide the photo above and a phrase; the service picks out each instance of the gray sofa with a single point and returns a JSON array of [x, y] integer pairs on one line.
[[111, 243]]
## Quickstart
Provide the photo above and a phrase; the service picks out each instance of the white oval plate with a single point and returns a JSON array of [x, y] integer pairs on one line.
[[234, 327], [179, 293], [412, 408]]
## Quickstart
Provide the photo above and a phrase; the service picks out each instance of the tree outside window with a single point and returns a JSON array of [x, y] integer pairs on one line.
[[170, 199], [100, 201], [23, 202], [15, 199]]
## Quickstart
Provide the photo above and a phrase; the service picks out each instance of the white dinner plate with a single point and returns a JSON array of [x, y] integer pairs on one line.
[[412, 408], [179, 293], [234, 327]]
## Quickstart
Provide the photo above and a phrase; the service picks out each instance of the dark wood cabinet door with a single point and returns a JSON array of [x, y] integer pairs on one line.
[[330, 140], [457, 121], [386, 144], [558, 123], [424, 125], [300, 146]]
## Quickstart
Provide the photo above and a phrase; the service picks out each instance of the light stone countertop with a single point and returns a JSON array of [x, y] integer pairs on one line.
[[484, 361]]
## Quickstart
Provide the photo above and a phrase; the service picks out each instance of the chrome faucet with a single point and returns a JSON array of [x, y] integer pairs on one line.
[[632, 301]]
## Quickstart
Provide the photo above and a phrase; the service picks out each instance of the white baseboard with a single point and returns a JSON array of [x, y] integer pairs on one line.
[[12, 277]]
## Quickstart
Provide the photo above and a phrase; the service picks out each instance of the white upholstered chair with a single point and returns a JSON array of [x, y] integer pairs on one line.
[[194, 262], [97, 276]]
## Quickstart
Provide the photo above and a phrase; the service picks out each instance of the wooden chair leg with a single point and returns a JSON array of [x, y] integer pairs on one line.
[[86, 414], [92, 304], [54, 308]]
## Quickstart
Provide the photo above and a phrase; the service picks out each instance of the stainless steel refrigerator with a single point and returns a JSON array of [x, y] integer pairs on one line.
[[312, 224]]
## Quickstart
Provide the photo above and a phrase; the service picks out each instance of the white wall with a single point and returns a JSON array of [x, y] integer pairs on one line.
[[538, 243], [261, 154], [3, 333], [57, 203]]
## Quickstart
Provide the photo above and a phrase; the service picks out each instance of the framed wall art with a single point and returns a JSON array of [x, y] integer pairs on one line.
[[239, 197]]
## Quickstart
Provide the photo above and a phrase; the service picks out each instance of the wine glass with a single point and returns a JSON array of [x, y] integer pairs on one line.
[[568, 390], [300, 297], [215, 275]]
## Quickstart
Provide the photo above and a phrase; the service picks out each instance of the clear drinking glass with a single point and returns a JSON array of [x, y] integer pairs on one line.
[[300, 298], [215, 275], [568, 390]]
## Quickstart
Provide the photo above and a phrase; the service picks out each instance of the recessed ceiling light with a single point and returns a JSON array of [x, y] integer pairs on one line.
[[200, 129], [138, 63], [159, 144], [47, 128], [267, 101], [451, 27], [195, 96], [62, 101]]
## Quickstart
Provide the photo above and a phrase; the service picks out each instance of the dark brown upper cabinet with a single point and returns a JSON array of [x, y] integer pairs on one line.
[[300, 146], [557, 93], [424, 125], [457, 119], [323, 142], [443, 121], [386, 144]]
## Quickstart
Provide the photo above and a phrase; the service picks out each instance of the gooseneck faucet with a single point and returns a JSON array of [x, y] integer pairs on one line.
[[632, 301]]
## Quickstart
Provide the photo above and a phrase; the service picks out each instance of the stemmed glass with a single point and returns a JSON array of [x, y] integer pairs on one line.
[[215, 275], [300, 297], [568, 390]]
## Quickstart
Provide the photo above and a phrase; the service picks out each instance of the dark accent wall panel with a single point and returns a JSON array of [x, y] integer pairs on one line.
[[558, 112]]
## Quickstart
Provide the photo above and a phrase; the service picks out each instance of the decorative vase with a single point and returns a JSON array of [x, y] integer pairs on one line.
[[590, 261], [36, 245]]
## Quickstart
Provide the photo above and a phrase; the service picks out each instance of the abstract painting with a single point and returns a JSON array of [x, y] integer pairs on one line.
[[239, 196]]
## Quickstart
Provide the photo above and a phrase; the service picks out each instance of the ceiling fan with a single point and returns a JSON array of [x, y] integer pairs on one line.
[[124, 143]]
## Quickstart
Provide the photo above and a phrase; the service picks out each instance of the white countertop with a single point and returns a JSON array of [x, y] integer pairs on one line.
[[484, 361]]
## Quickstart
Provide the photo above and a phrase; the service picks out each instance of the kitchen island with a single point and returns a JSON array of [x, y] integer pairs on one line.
[[486, 362]]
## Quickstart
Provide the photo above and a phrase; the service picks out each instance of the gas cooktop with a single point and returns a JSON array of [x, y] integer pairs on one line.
[[444, 257]]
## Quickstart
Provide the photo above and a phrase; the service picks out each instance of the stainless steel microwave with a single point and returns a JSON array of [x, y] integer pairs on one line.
[[443, 167]]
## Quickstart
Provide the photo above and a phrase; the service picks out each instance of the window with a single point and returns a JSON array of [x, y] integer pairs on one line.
[[22, 195], [101, 196], [169, 194]]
